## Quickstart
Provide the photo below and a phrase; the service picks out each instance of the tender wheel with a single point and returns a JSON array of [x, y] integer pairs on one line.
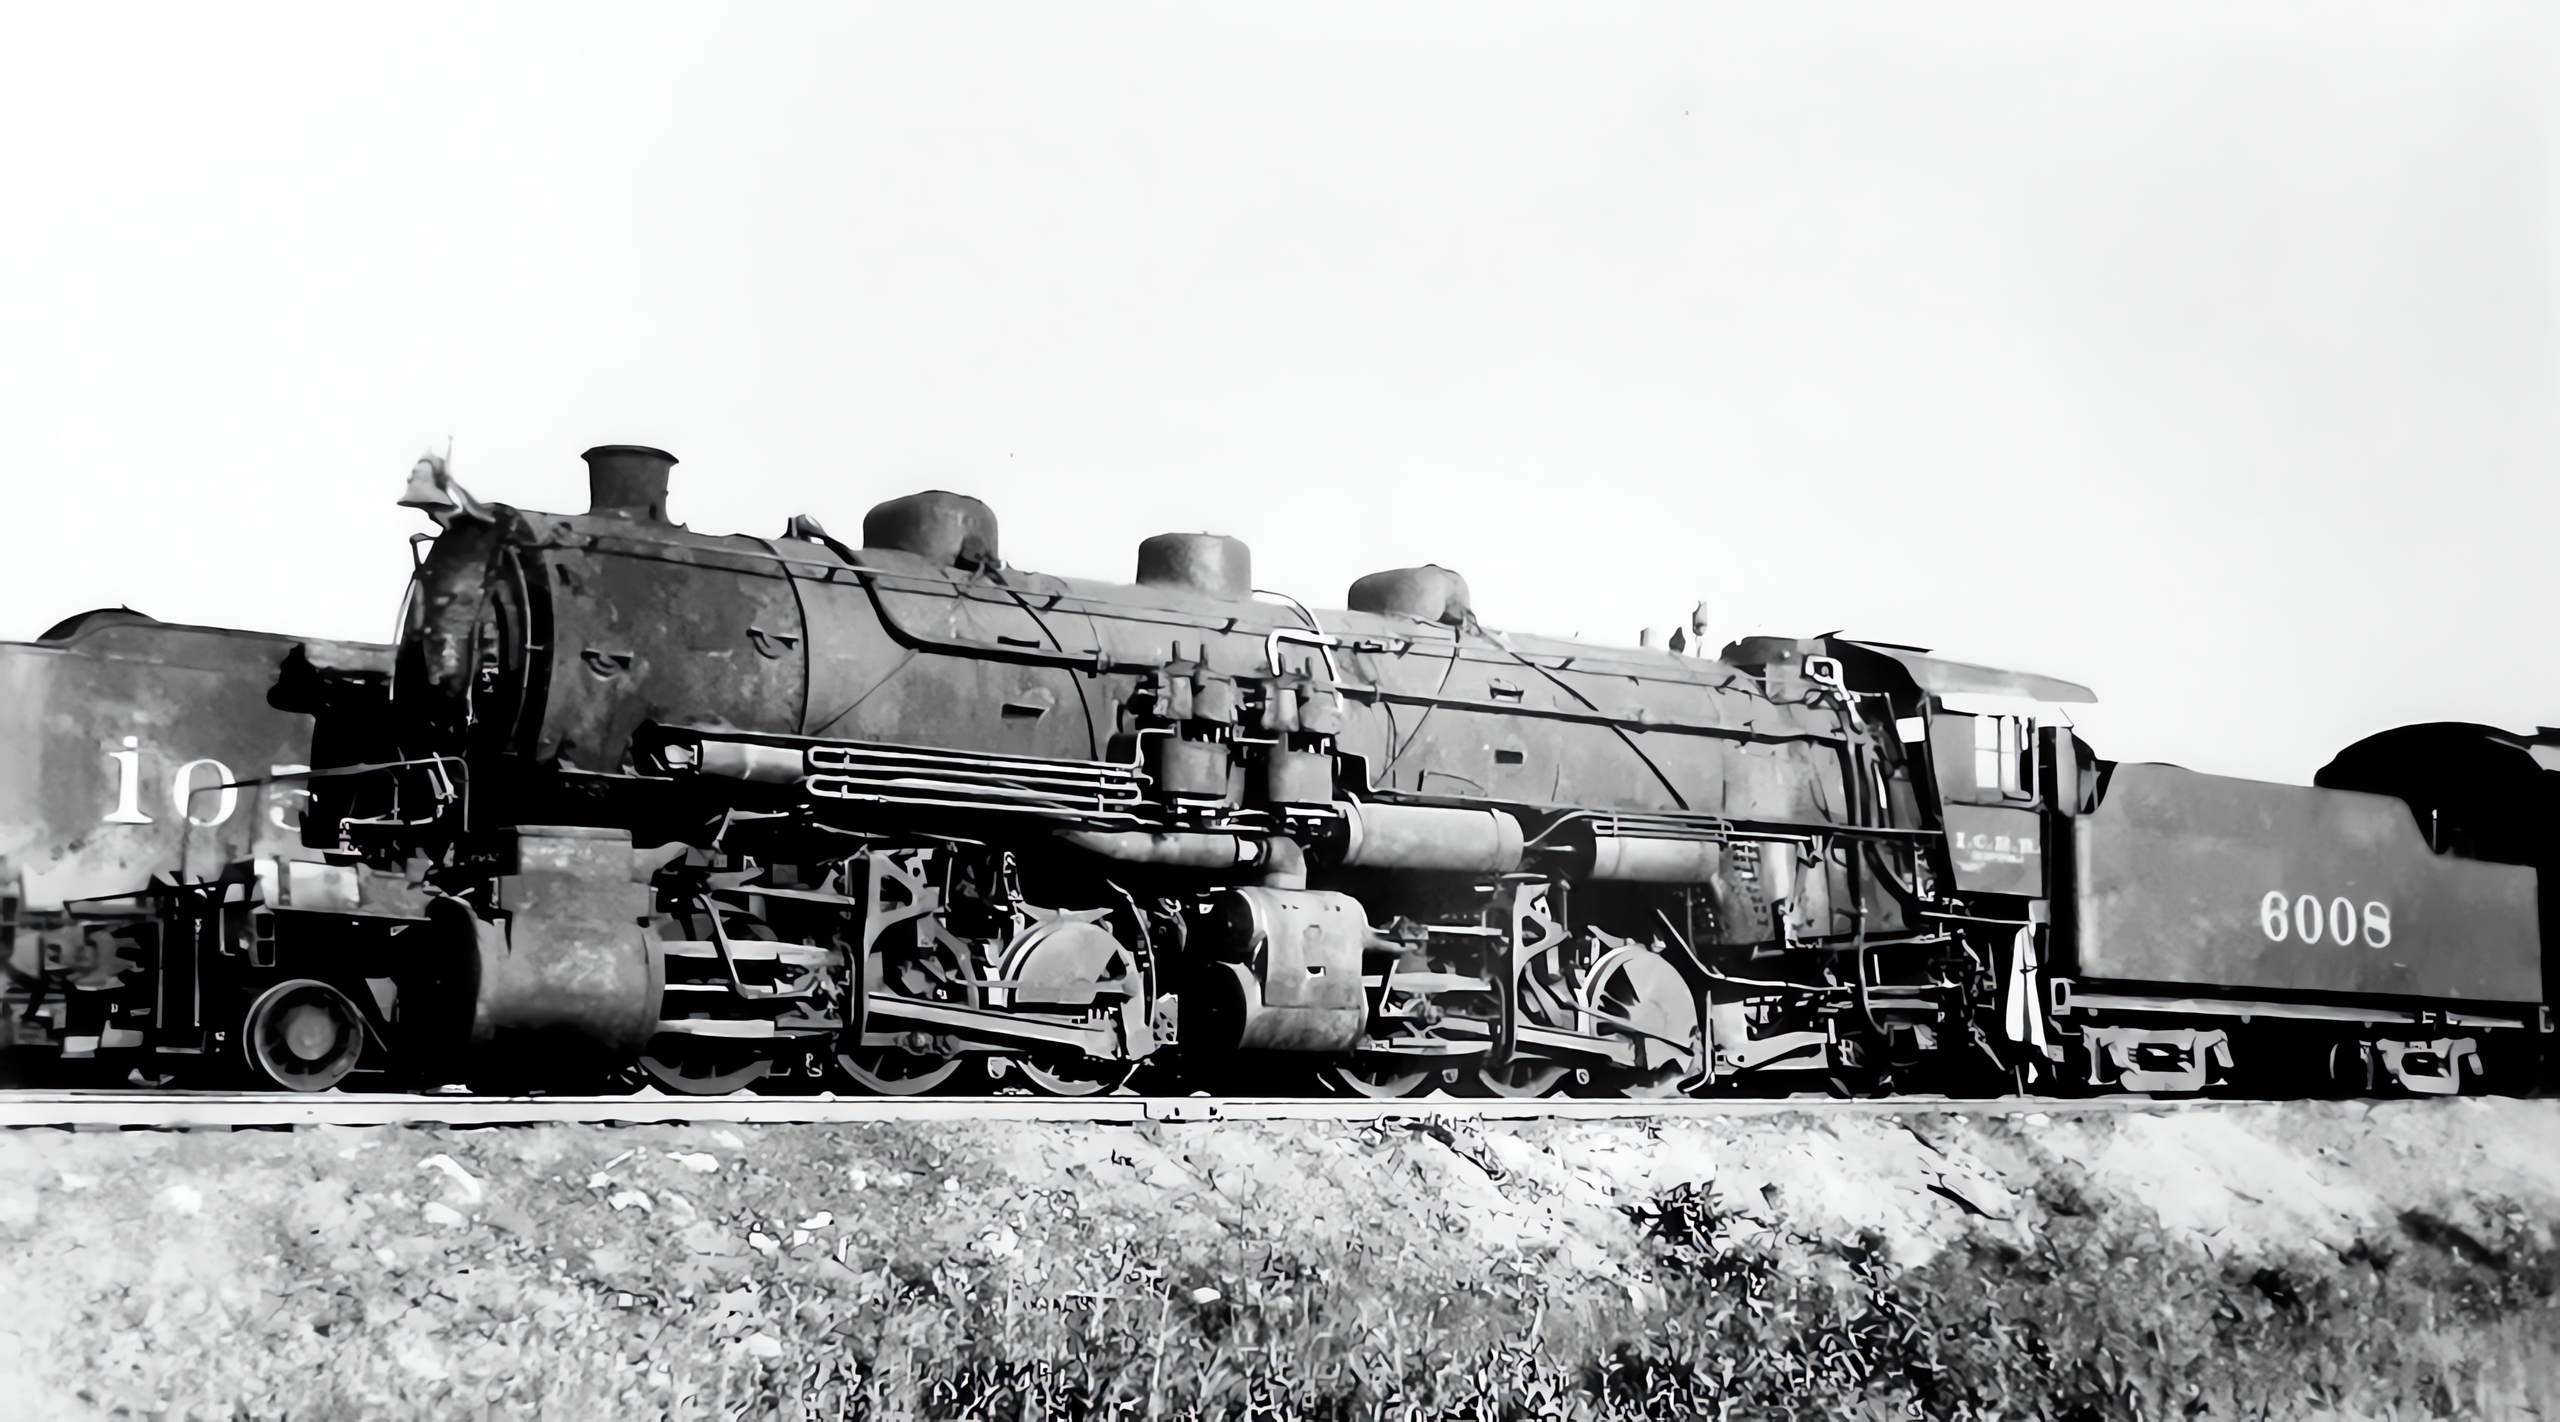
[[302, 1035], [703, 1066], [1522, 1078], [1646, 992]]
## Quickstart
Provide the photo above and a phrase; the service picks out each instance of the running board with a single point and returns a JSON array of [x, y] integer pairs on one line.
[[2069, 998]]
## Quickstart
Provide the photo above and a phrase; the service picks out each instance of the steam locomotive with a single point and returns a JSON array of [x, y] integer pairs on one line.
[[722, 811], [138, 750]]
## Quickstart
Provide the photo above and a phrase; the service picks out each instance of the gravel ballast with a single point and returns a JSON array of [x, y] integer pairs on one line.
[[2308, 1259]]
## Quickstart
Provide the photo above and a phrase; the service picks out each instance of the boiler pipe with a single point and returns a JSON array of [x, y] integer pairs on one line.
[[1178, 850]]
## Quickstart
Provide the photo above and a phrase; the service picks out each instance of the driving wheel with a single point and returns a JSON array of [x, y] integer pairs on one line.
[[1521, 1078], [1070, 965], [704, 1066], [1381, 1080], [1640, 994], [933, 972]]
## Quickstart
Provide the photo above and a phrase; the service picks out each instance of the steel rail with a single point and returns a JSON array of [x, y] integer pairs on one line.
[[212, 1110]]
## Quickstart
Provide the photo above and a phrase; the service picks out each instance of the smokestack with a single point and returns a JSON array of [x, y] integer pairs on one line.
[[628, 481]]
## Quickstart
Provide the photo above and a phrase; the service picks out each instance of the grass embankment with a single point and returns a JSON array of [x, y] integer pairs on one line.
[[2252, 1261]]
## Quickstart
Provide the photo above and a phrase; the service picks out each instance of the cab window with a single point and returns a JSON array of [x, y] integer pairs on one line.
[[1996, 743], [1983, 760]]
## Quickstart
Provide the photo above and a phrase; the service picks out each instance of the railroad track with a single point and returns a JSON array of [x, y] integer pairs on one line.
[[214, 1110]]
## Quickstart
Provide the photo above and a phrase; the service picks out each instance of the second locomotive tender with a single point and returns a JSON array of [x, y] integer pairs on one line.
[[740, 806]]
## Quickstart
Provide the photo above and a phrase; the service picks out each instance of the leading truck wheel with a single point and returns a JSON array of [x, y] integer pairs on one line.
[[302, 1035]]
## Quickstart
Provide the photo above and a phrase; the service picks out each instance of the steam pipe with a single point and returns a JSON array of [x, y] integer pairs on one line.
[[1177, 850]]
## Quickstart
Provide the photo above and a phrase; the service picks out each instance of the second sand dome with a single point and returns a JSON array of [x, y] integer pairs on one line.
[[953, 530], [1211, 564], [1430, 592]]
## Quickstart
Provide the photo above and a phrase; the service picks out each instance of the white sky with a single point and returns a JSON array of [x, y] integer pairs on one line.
[[2201, 353]]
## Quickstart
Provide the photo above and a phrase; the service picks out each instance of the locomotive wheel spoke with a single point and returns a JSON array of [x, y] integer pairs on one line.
[[1645, 991], [703, 1065], [1072, 964], [932, 970]]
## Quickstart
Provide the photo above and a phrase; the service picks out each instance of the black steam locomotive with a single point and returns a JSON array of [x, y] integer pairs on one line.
[[133, 751], [899, 816]]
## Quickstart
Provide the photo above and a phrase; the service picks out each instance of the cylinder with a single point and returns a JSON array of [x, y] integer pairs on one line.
[[1302, 990], [947, 529], [1429, 837], [1638, 859], [628, 481], [1210, 564], [571, 952]]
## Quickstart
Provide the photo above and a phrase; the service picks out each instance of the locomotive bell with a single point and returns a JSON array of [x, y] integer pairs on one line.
[[1762, 652], [1208, 563], [1430, 592], [628, 481], [951, 530]]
